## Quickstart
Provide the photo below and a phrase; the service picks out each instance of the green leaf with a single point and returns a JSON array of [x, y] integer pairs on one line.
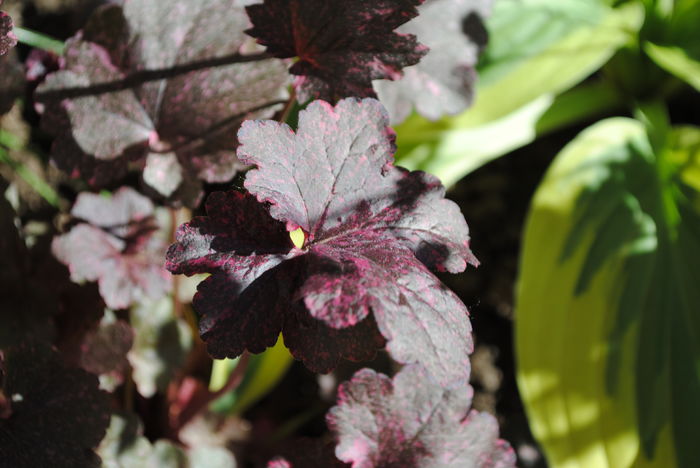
[[264, 372], [537, 51], [608, 329], [161, 344], [38, 40], [124, 446], [677, 61]]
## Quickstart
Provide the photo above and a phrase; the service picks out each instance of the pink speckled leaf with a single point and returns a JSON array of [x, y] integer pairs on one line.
[[412, 421], [443, 82], [7, 38], [117, 247], [189, 117], [372, 231], [57, 414], [342, 46]]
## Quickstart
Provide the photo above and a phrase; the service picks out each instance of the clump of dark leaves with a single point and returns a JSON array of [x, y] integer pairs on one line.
[[171, 91]]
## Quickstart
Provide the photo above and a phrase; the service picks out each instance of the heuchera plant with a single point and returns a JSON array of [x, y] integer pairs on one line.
[[7, 38], [326, 242]]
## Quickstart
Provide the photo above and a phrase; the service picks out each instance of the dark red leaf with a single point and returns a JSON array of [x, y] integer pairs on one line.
[[443, 82], [180, 128], [7, 38], [27, 304], [412, 421], [342, 46], [57, 415], [307, 453], [116, 246], [371, 229], [104, 350], [11, 81]]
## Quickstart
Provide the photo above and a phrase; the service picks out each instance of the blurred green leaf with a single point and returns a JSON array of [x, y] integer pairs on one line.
[[124, 446], [38, 40], [610, 264], [670, 37], [538, 50], [264, 372], [34, 180], [161, 344], [676, 60]]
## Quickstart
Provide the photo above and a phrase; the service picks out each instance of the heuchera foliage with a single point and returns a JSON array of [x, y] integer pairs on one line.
[[341, 46], [116, 247], [443, 81], [171, 89], [7, 38], [104, 105], [411, 421], [50, 415], [372, 230]]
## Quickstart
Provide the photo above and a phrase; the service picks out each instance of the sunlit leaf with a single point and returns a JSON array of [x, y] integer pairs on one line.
[[610, 265]]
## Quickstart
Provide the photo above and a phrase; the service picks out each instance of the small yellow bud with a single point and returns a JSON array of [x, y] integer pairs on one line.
[[298, 237]]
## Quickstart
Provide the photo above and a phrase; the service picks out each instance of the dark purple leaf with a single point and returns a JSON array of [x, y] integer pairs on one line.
[[371, 230], [413, 421], [443, 82], [57, 415], [11, 81], [182, 127], [342, 46], [104, 351], [7, 38], [307, 453], [117, 246], [27, 304]]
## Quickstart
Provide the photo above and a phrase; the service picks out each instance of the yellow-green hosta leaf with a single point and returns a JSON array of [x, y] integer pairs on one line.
[[608, 311]]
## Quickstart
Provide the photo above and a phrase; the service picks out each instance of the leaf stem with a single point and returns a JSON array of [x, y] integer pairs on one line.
[[288, 107], [144, 76], [201, 403]]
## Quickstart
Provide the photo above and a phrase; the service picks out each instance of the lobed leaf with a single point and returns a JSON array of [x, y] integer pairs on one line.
[[117, 247], [341, 46], [124, 446], [442, 83], [11, 81], [104, 351], [57, 414], [179, 121], [27, 304], [7, 38], [411, 421], [372, 230], [161, 345], [307, 453]]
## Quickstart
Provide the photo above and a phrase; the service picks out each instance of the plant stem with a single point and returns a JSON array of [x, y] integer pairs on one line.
[[288, 107], [144, 76]]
